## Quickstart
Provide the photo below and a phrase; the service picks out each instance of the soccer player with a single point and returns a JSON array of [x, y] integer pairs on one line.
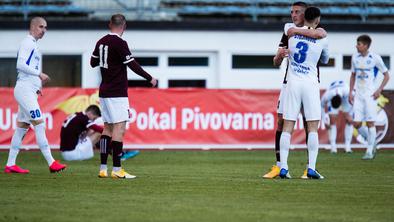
[[303, 90], [28, 86], [336, 99], [79, 133], [364, 66], [297, 16], [113, 56]]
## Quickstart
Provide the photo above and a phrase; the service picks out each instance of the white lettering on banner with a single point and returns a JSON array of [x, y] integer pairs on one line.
[[8, 119], [193, 118]]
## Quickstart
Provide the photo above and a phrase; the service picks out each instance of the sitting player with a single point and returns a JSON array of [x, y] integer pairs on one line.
[[79, 133], [336, 99]]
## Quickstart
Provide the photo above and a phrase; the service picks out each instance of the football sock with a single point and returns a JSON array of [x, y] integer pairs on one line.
[[363, 130], [371, 139], [348, 136], [117, 148], [103, 167], [42, 142], [15, 145], [313, 147], [105, 142], [277, 146], [332, 135], [284, 149]]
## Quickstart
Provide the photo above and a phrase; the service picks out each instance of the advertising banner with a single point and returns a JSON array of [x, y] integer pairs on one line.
[[181, 117]]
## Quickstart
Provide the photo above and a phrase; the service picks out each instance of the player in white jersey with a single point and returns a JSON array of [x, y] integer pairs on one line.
[[28, 85], [303, 90], [297, 16], [335, 99], [364, 66]]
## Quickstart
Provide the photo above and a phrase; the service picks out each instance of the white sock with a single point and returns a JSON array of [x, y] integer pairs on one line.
[[43, 143], [15, 145], [313, 149], [332, 135], [116, 169], [103, 167], [363, 131], [278, 164], [371, 139], [284, 149], [348, 136]]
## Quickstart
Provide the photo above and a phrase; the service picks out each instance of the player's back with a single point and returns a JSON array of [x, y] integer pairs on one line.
[[71, 129], [113, 51], [305, 53]]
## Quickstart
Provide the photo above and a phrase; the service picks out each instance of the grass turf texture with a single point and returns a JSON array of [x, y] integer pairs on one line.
[[202, 186]]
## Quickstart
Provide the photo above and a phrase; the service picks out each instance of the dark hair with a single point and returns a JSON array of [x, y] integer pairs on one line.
[[365, 39], [94, 109], [311, 13], [336, 101], [302, 4], [118, 20]]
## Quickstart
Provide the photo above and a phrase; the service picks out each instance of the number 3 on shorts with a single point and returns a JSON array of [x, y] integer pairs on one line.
[[35, 113]]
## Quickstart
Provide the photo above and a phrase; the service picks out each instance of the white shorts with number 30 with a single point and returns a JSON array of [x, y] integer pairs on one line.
[[302, 94], [115, 110], [28, 107]]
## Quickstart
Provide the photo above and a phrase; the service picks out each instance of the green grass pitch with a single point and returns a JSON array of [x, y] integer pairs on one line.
[[202, 186]]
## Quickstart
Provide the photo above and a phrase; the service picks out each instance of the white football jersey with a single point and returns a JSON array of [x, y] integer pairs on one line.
[[366, 69], [336, 88], [305, 53], [29, 63]]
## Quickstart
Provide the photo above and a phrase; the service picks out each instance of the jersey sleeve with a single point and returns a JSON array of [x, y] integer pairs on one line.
[[352, 65], [125, 53], [287, 27], [284, 41], [95, 53], [95, 59], [380, 64], [25, 55]]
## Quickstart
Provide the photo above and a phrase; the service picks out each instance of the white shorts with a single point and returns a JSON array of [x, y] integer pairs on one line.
[[115, 110], [83, 150], [365, 108], [28, 107], [281, 99], [301, 94]]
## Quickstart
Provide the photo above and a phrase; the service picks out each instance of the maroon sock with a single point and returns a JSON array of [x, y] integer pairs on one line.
[[105, 148], [117, 148]]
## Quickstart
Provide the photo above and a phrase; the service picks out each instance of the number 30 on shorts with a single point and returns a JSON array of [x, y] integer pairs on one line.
[[35, 113]]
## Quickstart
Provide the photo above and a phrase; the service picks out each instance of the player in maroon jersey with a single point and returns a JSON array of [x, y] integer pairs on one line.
[[79, 133], [113, 56]]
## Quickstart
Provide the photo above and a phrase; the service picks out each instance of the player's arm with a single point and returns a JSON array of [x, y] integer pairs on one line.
[[386, 78], [282, 51], [25, 56], [351, 87], [381, 67], [318, 33], [95, 128], [94, 59], [325, 57], [133, 65]]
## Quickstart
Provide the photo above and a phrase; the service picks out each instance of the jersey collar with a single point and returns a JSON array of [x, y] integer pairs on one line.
[[112, 33], [31, 37]]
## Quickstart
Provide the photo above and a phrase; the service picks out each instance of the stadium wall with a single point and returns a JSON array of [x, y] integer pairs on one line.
[[219, 48]]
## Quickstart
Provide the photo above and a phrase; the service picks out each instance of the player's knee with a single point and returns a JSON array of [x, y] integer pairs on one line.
[[36, 122], [280, 124]]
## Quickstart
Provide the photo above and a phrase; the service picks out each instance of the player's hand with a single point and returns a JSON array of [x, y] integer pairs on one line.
[[44, 78], [376, 94], [351, 99], [283, 52], [153, 82], [291, 32]]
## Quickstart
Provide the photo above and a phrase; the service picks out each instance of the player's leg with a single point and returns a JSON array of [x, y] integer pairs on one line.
[[285, 139], [371, 114], [332, 133], [312, 110], [348, 132], [313, 148], [16, 142], [274, 171], [105, 149]]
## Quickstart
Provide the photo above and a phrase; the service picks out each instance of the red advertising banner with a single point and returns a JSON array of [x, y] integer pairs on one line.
[[162, 117]]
